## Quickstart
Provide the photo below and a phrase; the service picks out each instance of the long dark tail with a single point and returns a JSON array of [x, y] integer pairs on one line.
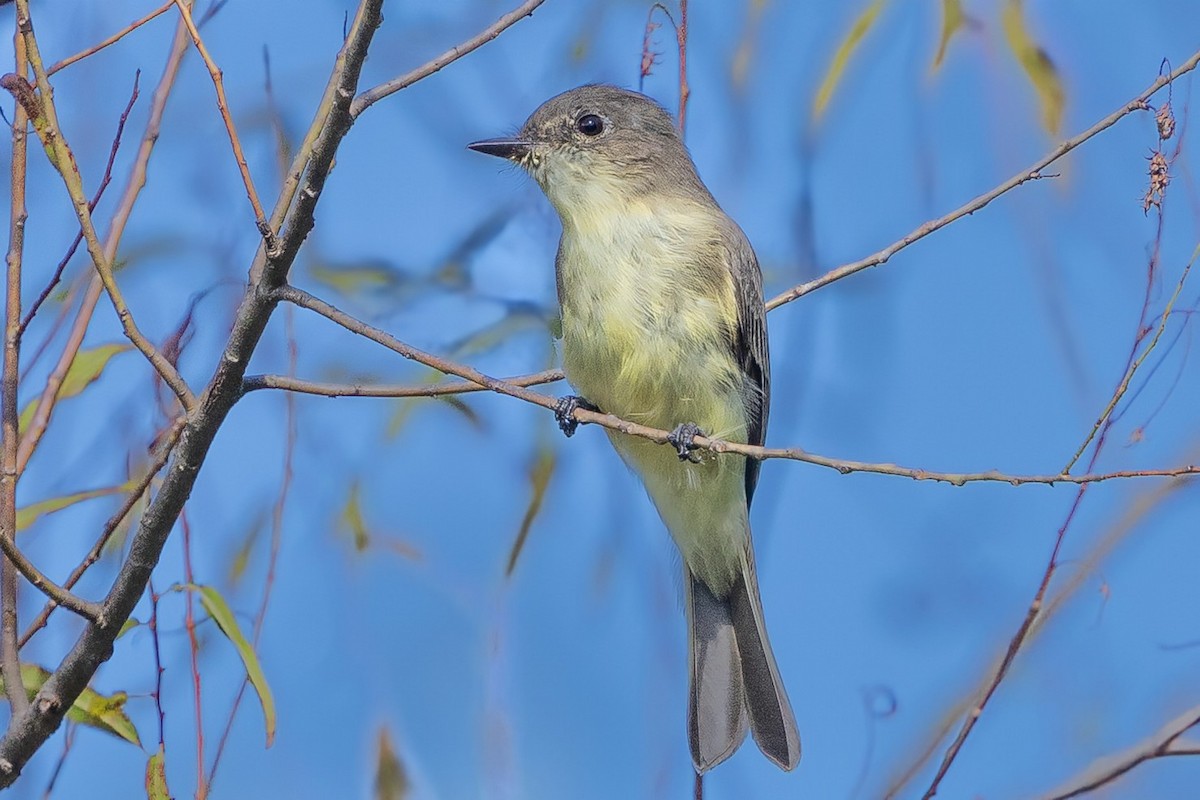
[[734, 676]]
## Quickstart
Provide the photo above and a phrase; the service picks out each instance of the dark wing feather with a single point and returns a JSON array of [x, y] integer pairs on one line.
[[750, 343]]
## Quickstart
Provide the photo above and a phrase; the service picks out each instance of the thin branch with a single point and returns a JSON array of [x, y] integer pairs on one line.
[[377, 93], [1033, 172], [260, 219], [166, 443], [10, 657], [516, 388], [63, 160], [133, 189], [1164, 742], [104, 181], [189, 624], [116, 37], [290, 384], [61, 596], [30, 729]]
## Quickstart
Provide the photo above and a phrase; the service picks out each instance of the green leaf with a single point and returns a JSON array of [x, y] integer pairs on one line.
[[1037, 65], [391, 779], [841, 58], [216, 607], [352, 519], [30, 514], [540, 471], [953, 19], [156, 777], [91, 708], [128, 625], [85, 368]]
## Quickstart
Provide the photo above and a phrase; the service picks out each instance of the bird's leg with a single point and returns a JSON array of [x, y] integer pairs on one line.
[[682, 439], [564, 412]]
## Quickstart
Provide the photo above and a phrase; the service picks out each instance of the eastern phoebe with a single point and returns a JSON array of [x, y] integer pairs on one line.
[[663, 324]]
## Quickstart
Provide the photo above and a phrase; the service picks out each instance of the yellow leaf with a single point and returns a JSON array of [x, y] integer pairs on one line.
[[952, 20], [1037, 65], [391, 779], [841, 58], [91, 708], [30, 514], [156, 777], [540, 472], [216, 607], [353, 521], [85, 368]]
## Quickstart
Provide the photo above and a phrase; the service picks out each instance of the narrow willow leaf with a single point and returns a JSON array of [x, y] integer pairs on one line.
[[91, 708], [156, 776], [391, 779], [841, 58], [86, 367], [128, 625], [30, 514], [352, 520], [1037, 65], [540, 471], [953, 19], [216, 607]]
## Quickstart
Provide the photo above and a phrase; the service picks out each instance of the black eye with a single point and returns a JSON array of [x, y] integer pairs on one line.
[[590, 125]]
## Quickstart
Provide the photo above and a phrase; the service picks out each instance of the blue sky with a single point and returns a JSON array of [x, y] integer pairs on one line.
[[994, 343]]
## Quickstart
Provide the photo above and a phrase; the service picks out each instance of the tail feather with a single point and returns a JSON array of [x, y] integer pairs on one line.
[[771, 719], [716, 709], [734, 677]]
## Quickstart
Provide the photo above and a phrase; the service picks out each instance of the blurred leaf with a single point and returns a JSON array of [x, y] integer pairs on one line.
[[156, 776], [27, 515], [84, 370], [841, 58], [452, 273], [491, 336], [1037, 65], [391, 779], [128, 625], [352, 518], [953, 19], [740, 67], [241, 559], [540, 471], [216, 607], [91, 708], [360, 277]]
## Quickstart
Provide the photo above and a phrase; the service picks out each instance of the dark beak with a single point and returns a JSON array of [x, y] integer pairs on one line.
[[512, 149]]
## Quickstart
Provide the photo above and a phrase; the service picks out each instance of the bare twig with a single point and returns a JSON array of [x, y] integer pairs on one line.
[[137, 180], [1163, 743], [377, 93], [166, 444], [516, 388], [116, 37], [1032, 172], [104, 181], [10, 659], [61, 157], [189, 624], [260, 219], [290, 384]]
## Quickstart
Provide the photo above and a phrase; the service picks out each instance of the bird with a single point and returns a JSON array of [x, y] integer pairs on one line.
[[663, 324]]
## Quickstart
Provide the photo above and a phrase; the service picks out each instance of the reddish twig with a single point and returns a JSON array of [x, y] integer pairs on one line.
[[650, 58], [189, 624], [104, 181], [116, 37]]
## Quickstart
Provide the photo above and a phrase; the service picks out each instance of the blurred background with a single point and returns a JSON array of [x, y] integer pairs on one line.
[[396, 634]]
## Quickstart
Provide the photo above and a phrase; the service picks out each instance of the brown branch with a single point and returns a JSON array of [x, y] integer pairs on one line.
[[260, 219], [30, 729], [516, 387], [116, 37], [1033, 172], [63, 160], [377, 93], [10, 657], [137, 180], [1164, 742], [104, 181], [289, 384]]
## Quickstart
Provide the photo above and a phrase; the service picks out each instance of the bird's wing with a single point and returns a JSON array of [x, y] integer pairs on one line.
[[750, 343]]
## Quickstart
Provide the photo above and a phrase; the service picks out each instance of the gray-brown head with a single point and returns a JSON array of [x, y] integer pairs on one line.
[[597, 141]]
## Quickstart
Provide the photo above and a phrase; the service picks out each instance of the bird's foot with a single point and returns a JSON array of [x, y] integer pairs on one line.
[[683, 440], [564, 412]]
